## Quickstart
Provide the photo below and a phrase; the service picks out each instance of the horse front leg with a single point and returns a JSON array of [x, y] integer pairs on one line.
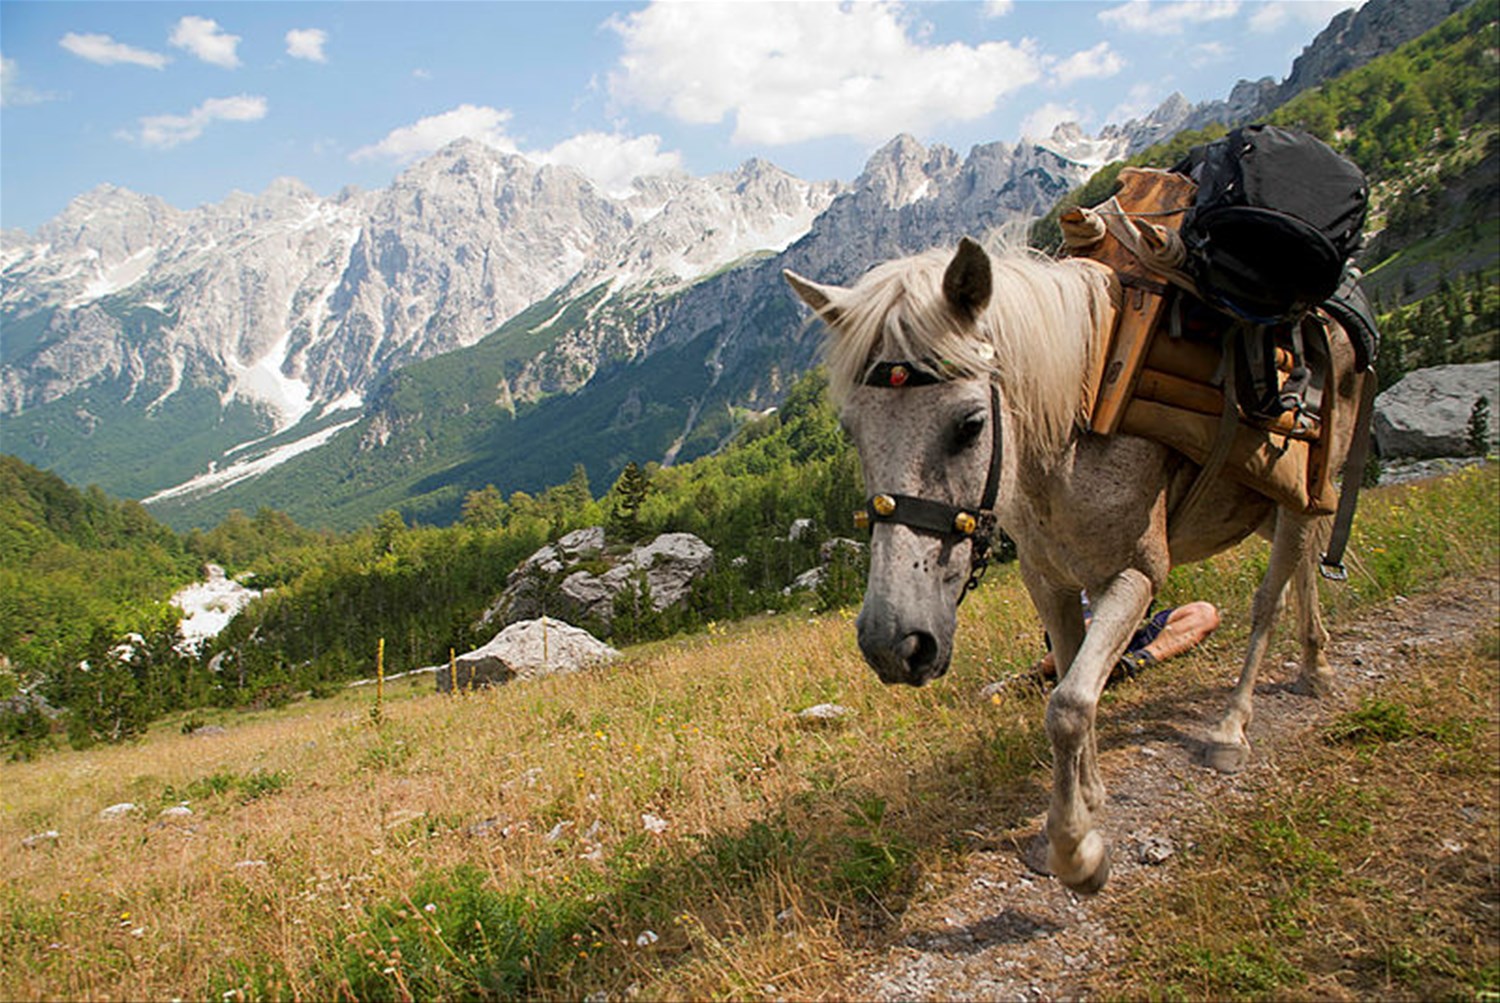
[[1228, 747], [1076, 852]]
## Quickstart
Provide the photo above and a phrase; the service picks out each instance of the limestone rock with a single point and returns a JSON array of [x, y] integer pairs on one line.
[[576, 579], [1426, 414], [526, 650]]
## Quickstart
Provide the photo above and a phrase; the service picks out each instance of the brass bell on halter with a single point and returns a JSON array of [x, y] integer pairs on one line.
[[883, 504], [861, 519], [965, 523]]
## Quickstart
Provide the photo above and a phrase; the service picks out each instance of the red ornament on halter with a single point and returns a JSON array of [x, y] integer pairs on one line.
[[898, 376]]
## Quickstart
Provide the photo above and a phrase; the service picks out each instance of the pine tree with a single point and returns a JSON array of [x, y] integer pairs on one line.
[[1479, 427], [630, 494]]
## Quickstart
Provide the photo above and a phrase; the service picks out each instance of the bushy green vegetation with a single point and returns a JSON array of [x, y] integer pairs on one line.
[[423, 589], [77, 566]]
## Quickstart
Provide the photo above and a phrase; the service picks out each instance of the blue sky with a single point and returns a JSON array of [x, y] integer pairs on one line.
[[192, 101]]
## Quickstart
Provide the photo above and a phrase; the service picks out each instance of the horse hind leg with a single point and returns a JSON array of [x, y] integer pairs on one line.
[[1317, 677], [1228, 748]]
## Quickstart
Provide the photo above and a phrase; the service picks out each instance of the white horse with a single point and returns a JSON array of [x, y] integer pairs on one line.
[[961, 378]]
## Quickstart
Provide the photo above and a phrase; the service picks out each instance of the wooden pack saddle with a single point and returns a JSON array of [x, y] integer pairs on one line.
[[1159, 381]]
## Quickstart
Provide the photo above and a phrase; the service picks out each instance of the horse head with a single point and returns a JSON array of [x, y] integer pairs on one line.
[[910, 365]]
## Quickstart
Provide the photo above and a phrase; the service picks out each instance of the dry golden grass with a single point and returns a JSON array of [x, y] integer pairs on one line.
[[666, 826]]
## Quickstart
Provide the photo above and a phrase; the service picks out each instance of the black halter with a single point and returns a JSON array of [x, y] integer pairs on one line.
[[977, 525]]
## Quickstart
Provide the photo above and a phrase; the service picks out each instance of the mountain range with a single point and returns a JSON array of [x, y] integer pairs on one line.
[[486, 319]]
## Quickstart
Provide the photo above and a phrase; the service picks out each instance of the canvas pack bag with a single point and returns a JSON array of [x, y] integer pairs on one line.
[[1277, 216]]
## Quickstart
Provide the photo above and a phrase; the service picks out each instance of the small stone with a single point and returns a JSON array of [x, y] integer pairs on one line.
[[176, 811], [117, 810], [824, 712], [40, 839], [249, 865], [484, 828], [653, 823], [1155, 850], [646, 938]]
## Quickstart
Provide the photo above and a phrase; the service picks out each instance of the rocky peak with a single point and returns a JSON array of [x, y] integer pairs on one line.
[[898, 173], [114, 222]]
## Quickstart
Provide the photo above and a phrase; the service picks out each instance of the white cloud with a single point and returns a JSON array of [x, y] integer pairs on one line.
[[1312, 13], [106, 51], [428, 135], [204, 38], [13, 93], [1166, 17], [1208, 54], [1040, 123], [1100, 61], [611, 160], [1140, 101], [998, 8], [167, 131], [798, 71], [307, 43]]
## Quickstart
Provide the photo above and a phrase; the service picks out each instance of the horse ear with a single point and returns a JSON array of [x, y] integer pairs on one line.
[[967, 282], [815, 295]]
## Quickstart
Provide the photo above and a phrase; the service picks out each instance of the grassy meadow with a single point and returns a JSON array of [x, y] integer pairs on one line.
[[669, 828]]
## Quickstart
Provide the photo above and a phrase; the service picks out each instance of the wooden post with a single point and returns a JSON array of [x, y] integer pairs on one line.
[[452, 672], [379, 681]]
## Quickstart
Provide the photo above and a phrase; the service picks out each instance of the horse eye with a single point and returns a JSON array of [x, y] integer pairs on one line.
[[967, 431]]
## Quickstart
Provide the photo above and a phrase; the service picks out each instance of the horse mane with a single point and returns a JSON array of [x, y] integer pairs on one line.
[[1036, 334]]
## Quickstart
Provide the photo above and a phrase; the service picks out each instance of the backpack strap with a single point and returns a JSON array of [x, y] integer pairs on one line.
[[1351, 308], [1332, 564]]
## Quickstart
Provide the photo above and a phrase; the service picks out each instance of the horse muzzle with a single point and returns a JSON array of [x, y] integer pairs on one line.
[[901, 653]]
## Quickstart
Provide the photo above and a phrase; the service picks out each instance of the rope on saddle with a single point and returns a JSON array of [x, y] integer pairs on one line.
[[1158, 248]]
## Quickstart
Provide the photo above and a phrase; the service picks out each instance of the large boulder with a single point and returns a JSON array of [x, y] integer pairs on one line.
[[576, 578], [523, 651], [1426, 414]]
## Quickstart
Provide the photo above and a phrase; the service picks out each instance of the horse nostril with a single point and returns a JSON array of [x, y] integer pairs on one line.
[[919, 650]]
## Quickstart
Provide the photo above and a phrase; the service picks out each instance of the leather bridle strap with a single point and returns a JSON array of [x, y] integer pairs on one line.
[[978, 525]]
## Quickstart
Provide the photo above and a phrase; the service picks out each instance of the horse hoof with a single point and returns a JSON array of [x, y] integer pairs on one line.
[[1093, 883], [1226, 757], [1318, 684], [1092, 870]]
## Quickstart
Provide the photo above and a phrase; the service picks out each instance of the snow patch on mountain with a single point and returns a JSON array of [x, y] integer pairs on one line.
[[265, 381], [215, 479], [111, 279]]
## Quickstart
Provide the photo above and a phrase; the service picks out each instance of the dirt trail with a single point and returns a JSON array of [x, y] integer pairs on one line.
[[1008, 933]]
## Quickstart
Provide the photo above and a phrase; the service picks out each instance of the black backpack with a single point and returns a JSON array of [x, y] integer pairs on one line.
[[1277, 216]]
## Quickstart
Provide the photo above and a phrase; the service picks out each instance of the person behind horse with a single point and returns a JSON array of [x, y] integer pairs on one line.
[[1168, 633]]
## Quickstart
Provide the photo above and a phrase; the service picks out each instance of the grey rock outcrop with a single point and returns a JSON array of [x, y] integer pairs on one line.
[[1427, 413], [523, 651], [577, 579], [1356, 36]]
